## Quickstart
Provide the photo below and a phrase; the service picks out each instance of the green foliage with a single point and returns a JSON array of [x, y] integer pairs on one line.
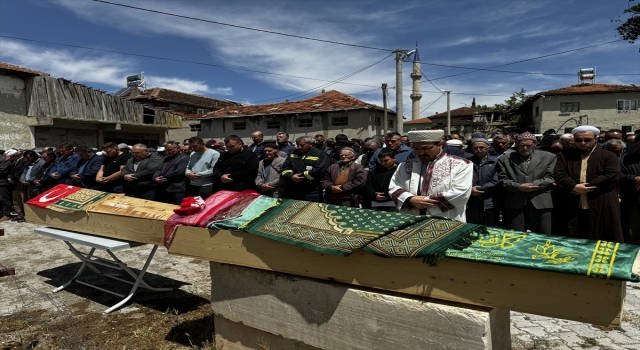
[[473, 103], [511, 108], [630, 29]]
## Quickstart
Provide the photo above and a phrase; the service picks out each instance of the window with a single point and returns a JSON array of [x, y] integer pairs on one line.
[[339, 121], [537, 111], [148, 116], [627, 105], [378, 122], [240, 126], [273, 124], [627, 129], [568, 130], [569, 107], [203, 111], [195, 127], [390, 123], [305, 123]]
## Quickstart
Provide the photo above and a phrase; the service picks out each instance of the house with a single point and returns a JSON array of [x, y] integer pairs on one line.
[[38, 110], [329, 114], [605, 106], [189, 106], [464, 120], [417, 124]]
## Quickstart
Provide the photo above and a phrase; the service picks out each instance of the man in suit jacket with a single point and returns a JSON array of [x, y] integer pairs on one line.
[[138, 172], [527, 177], [88, 166], [170, 176], [269, 182], [237, 168]]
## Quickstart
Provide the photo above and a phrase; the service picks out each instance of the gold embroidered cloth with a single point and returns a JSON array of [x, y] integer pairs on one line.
[[597, 259]]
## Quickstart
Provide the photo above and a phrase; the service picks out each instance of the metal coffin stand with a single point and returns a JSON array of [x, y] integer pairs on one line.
[[88, 260]]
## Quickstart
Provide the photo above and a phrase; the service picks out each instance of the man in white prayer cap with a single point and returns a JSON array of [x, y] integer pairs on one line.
[[433, 183], [587, 177]]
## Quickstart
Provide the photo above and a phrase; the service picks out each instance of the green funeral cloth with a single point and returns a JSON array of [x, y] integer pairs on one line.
[[328, 228], [427, 239], [80, 200], [252, 212], [598, 259]]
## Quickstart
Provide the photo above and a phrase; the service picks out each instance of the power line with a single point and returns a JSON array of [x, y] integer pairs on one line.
[[430, 104], [518, 72], [241, 27], [531, 59], [307, 92], [203, 63], [173, 60]]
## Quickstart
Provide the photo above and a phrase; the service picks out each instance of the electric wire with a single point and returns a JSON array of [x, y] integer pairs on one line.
[[301, 94], [241, 27], [530, 59], [422, 110]]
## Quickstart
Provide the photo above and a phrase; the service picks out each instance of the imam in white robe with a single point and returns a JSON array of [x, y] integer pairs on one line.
[[447, 179]]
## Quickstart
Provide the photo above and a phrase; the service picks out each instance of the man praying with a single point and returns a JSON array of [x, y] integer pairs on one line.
[[434, 182]]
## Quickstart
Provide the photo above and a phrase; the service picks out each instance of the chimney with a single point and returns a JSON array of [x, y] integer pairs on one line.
[[323, 91]]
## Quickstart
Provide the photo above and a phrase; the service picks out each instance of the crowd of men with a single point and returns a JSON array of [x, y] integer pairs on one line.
[[584, 184]]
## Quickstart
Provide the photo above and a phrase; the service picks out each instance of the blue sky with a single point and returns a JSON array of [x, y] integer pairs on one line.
[[477, 34]]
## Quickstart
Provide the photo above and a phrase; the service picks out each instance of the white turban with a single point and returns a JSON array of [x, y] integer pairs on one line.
[[426, 135], [586, 128]]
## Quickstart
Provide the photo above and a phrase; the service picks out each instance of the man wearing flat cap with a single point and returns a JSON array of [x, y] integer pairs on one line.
[[526, 176], [587, 177], [433, 183]]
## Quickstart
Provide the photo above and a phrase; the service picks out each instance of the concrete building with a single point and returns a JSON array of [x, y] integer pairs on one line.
[[190, 107], [37, 110], [329, 114], [605, 106]]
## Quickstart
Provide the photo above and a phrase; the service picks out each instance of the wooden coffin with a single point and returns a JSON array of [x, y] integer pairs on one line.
[[571, 297]]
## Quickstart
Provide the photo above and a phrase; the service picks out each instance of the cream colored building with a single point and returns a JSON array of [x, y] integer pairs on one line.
[[604, 106], [330, 113]]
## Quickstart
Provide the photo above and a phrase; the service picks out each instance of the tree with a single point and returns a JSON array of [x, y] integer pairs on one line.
[[630, 29], [510, 109], [473, 103]]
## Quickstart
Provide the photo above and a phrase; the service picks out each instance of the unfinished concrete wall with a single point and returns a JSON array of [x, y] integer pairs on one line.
[[184, 133], [14, 132], [318, 314]]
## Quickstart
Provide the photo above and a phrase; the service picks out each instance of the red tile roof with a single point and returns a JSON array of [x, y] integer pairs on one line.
[[458, 112], [590, 89], [14, 68], [329, 101], [179, 97]]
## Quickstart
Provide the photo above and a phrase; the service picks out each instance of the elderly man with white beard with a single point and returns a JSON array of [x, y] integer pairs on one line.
[[527, 177], [433, 183]]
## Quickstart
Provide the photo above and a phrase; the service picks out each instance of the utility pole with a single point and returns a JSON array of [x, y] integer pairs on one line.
[[399, 114], [384, 105], [448, 112]]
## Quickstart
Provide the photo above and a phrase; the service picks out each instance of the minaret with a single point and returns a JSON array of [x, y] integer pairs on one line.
[[416, 95]]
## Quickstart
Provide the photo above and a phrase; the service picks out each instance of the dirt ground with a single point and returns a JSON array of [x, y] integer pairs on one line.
[[31, 317]]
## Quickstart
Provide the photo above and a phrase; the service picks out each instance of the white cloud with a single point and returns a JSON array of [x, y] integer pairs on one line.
[[105, 69], [185, 85]]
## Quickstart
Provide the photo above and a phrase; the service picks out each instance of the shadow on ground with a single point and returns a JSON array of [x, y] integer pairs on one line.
[[176, 300]]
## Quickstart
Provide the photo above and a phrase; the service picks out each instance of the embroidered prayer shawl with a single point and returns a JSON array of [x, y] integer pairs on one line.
[[448, 179]]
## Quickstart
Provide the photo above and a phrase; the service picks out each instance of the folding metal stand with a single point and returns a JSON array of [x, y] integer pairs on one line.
[[88, 260]]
